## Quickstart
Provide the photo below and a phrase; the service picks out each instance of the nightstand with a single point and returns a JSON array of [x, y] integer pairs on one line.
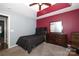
[[73, 53]]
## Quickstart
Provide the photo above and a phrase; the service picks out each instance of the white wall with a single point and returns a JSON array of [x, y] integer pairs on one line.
[[20, 26]]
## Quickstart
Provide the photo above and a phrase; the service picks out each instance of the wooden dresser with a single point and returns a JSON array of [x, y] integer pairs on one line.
[[75, 39], [57, 38]]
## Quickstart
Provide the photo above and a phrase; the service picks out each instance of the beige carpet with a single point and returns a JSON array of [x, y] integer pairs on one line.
[[45, 49]]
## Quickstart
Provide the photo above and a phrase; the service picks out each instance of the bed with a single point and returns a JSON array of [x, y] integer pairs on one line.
[[31, 41]]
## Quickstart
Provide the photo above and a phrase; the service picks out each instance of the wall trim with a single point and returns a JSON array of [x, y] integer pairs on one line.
[[13, 46]]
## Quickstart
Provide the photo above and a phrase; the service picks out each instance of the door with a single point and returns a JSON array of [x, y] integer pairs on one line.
[[2, 29], [3, 32]]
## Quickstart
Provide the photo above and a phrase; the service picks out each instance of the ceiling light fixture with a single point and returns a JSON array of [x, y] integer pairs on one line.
[[40, 4]]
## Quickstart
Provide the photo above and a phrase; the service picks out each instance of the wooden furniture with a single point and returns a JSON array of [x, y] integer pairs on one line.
[[1, 43], [75, 39], [57, 38], [73, 53]]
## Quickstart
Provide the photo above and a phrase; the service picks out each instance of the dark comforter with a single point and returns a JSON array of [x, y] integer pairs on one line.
[[29, 42]]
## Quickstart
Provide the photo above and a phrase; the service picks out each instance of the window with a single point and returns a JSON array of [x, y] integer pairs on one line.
[[56, 26]]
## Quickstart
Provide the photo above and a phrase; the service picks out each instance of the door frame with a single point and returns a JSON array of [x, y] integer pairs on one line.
[[8, 28]]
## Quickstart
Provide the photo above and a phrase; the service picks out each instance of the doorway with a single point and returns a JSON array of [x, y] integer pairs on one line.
[[3, 32]]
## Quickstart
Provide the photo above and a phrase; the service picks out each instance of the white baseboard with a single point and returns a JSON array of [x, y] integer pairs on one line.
[[13, 46]]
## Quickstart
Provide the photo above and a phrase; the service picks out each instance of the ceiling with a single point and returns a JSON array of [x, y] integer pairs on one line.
[[23, 7], [72, 7], [19, 8], [25, 10], [28, 2]]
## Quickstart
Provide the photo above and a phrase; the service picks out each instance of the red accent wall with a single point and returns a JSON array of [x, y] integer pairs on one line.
[[55, 7], [70, 22]]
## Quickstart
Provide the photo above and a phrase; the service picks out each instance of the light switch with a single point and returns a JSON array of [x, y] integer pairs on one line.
[[12, 30]]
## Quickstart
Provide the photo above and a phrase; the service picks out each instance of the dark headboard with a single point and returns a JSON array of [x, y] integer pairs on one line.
[[41, 30]]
